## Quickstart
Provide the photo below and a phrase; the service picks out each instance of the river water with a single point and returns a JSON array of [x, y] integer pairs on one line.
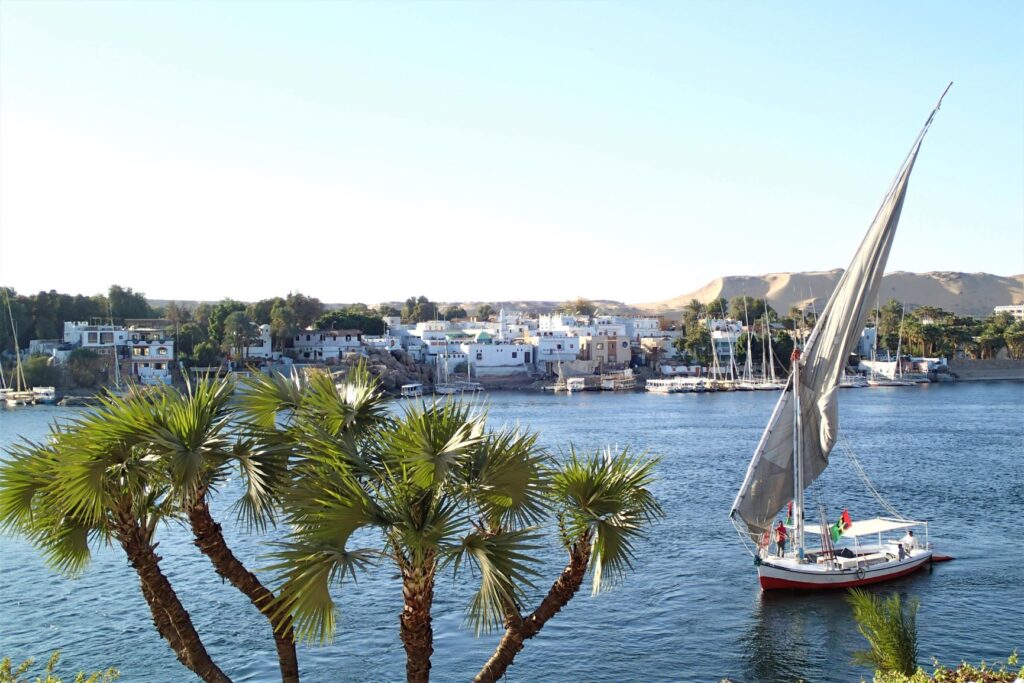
[[691, 610]]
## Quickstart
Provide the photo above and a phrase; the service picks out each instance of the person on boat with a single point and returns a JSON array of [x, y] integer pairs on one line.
[[780, 538], [907, 543]]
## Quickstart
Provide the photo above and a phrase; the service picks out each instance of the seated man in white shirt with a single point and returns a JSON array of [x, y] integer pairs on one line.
[[908, 543]]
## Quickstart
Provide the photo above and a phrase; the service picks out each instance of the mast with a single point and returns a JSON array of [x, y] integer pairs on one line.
[[798, 461], [19, 373]]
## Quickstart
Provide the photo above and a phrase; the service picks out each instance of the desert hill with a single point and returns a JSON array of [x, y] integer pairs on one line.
[[964, 293]]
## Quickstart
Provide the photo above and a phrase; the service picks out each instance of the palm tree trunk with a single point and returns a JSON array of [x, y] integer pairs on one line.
[[519, 630], [211, 543], [170, 617], [416, 630]]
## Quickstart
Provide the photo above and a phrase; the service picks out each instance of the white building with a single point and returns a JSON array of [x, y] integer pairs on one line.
[[724, 335], [152, 356], [322, 345], [95, 336], [552, 347], [1016, 310], [264, 349], [498, 359]]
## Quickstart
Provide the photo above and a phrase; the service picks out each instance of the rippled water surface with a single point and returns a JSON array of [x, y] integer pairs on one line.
[[692, 610]]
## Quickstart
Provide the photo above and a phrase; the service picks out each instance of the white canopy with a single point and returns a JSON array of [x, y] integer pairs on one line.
[[868, 527]]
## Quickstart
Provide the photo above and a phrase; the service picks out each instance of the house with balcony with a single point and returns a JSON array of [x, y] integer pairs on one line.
[[320, 346], [606, 351]]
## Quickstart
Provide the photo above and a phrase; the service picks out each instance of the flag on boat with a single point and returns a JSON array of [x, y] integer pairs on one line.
[[789, 514], [842, 524]]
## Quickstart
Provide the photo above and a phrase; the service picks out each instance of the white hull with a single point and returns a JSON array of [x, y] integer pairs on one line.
[[787, 574]]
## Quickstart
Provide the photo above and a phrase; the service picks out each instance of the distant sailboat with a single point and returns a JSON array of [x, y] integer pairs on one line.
[[794, 449]]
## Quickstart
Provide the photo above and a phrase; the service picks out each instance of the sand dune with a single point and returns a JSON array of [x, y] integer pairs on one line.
[[963, 293]]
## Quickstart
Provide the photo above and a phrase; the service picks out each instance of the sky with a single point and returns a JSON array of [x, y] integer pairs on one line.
[[486, 151]]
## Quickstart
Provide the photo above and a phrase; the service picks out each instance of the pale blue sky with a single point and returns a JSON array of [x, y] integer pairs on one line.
[[364, 151]]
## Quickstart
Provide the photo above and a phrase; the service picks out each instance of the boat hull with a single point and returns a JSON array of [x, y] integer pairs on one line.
[[774, 577]]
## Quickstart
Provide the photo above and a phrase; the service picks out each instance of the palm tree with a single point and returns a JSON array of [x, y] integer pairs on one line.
[[437, 486], [890, 630], [94, 480], [191, 436], [602, 503]]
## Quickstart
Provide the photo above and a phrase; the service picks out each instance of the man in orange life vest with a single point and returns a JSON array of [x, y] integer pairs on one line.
[[780, 538]]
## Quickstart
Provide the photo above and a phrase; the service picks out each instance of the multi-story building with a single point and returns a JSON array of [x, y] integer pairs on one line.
[[322, 345], [606, 351], [1016, 310]]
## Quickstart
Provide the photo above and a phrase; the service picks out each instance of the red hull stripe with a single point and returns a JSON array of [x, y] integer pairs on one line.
[[772, 583]]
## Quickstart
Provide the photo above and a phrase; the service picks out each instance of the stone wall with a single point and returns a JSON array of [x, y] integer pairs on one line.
[[984, 370]]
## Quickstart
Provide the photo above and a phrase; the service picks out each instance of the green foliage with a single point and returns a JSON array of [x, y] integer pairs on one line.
[[206, 354], [891, 631], [748, 309], [578, 306], [484, 312], [40, 372], [697, 343], [219, 313], [85, 366], [307, 308], [419, 309], [453, 312], [125, 303], [10, 674], [349, 319], [1007, 672]]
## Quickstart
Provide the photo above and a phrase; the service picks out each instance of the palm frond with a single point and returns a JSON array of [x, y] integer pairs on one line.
[[505, 562], [432, 440], [606, 496], [508, 477], [890, 630], [264, 474], [307, 571], [263, 397]]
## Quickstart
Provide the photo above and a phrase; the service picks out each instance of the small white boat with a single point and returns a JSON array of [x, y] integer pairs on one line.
[[413, 390], [458, 387], [45, 395]]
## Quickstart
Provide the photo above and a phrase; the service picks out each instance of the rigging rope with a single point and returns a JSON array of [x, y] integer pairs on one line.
[[859, 469]]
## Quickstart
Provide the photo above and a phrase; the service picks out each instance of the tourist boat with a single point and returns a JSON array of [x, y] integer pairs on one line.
[[803, 429], [413, 390]]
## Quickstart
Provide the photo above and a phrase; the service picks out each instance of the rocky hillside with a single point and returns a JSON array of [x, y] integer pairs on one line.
[[964, 293]]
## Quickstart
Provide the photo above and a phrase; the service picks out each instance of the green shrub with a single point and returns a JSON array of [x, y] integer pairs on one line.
[[8, 674]]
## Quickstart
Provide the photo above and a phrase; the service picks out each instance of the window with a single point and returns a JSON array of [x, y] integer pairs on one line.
[[158, 366], [479, 355], [106, 337], [307, 337], [162, 351], [600, 346], [559, 347], [514, 354], [625, 345], [92, 337]]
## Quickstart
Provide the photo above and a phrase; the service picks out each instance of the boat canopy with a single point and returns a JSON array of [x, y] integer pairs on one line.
[[769, 482], [868, 527]]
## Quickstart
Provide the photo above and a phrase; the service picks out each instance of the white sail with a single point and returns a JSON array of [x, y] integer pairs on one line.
[[769, 482]]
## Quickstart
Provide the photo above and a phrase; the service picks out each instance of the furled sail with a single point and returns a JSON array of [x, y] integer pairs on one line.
[[768, 484]]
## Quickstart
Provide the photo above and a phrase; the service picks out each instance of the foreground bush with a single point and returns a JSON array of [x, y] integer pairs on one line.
[[1010, 672], [8, 674]]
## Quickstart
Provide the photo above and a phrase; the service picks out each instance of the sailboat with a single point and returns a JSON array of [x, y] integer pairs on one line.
[[802, 430], [18, 392]]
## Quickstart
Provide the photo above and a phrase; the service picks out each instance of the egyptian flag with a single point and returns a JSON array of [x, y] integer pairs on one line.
[[789, 514], [844, 522]]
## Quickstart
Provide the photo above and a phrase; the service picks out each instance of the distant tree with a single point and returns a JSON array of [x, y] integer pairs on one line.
[[307, 309], [283, 325], [740, 352], [190, 334], [1014, 340], [579, 306], [177, 314], [218, 315], [453, 312], [206, 354], [782, 349], [124, 303], [343, 320], [39, 371], [202, 314], [238, 334], [718, 308], [484, 312], [386, 310], [698, 343], [749, 309], [692, 312], [85, 366], [260, 311]]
